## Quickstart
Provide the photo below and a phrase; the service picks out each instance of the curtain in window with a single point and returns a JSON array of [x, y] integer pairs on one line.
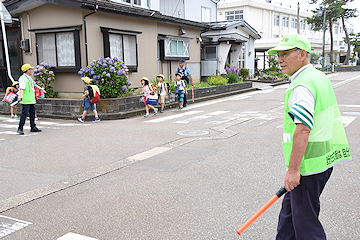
[[46, 48], [129, 50], [116, 46], [65, 49]]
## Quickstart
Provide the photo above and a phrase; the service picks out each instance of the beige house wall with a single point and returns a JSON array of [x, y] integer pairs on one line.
[[69, 84]]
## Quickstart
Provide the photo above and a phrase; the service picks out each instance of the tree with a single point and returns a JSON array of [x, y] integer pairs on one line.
[[354, 40], [346, 14], [335, 11]]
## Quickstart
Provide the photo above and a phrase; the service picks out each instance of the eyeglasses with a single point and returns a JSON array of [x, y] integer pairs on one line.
[[284, 54]]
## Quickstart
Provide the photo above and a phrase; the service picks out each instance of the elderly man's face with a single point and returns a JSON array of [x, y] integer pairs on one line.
[[291, 60]]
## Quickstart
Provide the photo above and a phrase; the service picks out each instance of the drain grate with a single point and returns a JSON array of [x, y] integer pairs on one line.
[[192, 133], [10, 225]]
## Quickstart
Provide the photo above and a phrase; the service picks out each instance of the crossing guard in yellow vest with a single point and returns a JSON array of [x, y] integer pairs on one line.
[[27, 98], [314, 139]]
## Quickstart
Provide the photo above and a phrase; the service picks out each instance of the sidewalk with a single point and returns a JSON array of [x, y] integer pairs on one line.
[[5, 109]]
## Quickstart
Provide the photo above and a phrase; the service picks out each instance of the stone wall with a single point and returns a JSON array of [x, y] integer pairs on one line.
[[347, 68]]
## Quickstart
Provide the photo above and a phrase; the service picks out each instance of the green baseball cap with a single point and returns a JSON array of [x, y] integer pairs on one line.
[[290, 41]]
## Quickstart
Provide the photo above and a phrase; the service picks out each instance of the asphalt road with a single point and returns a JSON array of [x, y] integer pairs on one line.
[[199, 173]]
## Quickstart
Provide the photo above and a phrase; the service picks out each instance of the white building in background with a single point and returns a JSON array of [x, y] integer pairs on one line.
[[272, 19]]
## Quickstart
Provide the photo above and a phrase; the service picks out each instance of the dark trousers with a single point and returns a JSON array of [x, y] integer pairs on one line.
[[185, 100], [298, 219], [26, 109]]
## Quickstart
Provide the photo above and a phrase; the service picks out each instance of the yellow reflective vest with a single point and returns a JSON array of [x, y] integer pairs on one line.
[[327, 142]]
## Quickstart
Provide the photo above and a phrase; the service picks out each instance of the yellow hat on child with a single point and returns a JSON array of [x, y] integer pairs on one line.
[[160, 75], [15, 83], [26, 67], [86, 80]]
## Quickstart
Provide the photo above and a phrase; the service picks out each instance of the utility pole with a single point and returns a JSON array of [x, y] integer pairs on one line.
[[298, 18], [324, 31]]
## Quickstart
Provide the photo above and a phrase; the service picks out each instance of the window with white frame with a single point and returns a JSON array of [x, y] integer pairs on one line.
[[234, 15], [302, 24], [276, 20], [209, 53], [285, 21], [293, 23], [142, 3], [205, 14], [336, 29], [121, 44], [176, 48], [309, 26], [124, 48], [60, 49]]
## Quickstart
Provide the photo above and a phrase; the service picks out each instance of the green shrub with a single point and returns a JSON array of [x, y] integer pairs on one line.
[[201, 85], [50, 93], [216, 80], [244, 72], [232, 77]]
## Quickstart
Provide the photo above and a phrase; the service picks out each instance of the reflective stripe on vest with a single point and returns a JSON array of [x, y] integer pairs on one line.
[[29, 94], [327, 142]]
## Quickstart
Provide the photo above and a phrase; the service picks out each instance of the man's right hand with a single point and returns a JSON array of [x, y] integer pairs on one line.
[[292, 180]]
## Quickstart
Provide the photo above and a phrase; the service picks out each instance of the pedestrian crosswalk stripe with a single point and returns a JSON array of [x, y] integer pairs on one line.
[[216, 113], [347, 120], [150, 153], [10, 225], [74, 236], [163, 119], [193, 119]]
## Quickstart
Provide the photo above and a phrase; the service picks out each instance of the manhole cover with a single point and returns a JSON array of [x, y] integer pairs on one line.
[[193, 133]]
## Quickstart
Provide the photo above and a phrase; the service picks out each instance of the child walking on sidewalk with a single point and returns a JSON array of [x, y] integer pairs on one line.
[[162, 92], [87, 103], [180, 89], [147, 91], [11, 96]]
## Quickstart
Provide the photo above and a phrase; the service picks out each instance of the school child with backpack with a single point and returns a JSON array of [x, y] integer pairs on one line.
[[180, 89], [163, 90], [88, 90], [149, 98], [11, 96]]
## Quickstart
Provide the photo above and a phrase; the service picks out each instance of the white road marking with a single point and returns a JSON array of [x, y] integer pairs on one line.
[[347, 120], [193, 119], [163, 119], [352, 113], [74, 236], [354, 106], [149, 153], [345, 81], [216, 113], [10, 225]]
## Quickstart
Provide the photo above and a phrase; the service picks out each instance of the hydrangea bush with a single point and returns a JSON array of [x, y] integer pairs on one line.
[[43, 76], [111, 75]]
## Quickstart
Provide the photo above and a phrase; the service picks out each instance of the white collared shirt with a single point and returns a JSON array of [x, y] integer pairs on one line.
[[301, 95], [22, 84]]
